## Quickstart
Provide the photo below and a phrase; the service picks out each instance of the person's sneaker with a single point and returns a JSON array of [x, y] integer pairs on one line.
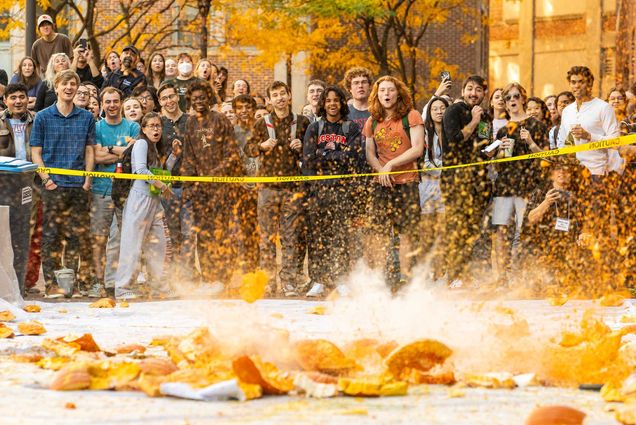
[[125, 294], [77, 294], [317, 290], [163, 293], [141, 277], [290, 291], [304, 287], [456, 284], [33, 290], [53, 292], [96, 290], [82, 287]]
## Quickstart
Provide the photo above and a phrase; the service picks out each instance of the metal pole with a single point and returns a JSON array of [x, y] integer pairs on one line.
[[29, 38]]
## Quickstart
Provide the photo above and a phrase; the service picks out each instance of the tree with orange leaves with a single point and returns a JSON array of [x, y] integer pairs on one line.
[[384, 35]]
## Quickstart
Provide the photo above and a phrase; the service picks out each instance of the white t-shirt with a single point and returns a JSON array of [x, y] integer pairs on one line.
[[596, 117], [436, 161], [19, 137], [498, 124]]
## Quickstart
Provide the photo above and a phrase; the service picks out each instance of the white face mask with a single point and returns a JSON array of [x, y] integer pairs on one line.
[[184, 68]]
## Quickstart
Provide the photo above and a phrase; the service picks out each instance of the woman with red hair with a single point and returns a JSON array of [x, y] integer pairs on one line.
[[394, 141]]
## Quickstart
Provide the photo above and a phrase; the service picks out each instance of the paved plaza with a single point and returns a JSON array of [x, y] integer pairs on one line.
[[26, 400]]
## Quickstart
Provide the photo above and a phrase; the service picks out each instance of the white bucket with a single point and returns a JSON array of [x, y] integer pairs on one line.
[[65, 280]]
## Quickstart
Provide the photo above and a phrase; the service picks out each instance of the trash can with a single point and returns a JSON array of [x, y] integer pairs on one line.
[[16, 191]]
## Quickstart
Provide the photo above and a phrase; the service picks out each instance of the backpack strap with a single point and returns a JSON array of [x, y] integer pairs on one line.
[[270, 126], [294, 126], [321, 127], [374, 124], [406, 125], [346, 125]]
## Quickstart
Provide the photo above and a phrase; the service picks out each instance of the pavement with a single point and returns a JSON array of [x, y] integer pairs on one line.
[[24, 398]]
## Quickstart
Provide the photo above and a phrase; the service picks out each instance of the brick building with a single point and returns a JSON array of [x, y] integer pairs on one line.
[[531, 41], [535, 42]]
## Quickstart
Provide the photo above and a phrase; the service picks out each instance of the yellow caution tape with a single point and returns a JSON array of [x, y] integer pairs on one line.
[[603, 144]]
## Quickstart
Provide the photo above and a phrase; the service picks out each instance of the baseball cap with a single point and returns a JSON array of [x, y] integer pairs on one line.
[[44, 18], [131, 48]]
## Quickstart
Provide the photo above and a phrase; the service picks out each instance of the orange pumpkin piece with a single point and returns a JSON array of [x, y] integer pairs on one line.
[[130, 348], [322, 356], [6, 316], [6, 332], [253, 286], [612, 300], [387, 348], [26, 357], [441, 378], [558, 300], [251, 370], [555, 415], [570, 339], [32, 308], [85, 342], [422, 355], [103, 303], [31, 328], [71, 378], [372, 386], [156, 366]]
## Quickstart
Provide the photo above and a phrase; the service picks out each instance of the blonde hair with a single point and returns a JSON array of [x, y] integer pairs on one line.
[[66, 75], [49, 76], [212, 66]]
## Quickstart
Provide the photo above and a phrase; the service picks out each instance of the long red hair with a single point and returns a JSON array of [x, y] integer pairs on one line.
[[404, 102]]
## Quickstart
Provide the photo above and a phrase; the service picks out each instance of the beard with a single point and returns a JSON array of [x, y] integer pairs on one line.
[[127, 62]]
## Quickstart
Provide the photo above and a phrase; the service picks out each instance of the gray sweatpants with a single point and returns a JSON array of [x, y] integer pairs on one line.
[[142, 231]]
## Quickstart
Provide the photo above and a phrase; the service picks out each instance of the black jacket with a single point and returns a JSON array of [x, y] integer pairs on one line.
[[125, 83], [318, 160], [456, 149]]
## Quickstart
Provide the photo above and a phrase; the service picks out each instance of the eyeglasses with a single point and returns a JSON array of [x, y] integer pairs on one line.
[[168, 97], [145, 98], [509, 97], [83, 93], [153, 126]]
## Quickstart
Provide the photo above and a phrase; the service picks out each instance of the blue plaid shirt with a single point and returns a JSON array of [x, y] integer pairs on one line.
[[63, 141]]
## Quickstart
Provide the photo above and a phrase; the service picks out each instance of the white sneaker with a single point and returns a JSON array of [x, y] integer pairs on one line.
[[318, 290], [125, 294], [96, 291], [456, 284]]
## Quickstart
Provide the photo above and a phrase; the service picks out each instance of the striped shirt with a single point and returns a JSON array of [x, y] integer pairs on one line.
[[63, 141]]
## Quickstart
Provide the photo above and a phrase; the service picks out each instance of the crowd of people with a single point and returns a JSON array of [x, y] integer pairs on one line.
[[562, 221]]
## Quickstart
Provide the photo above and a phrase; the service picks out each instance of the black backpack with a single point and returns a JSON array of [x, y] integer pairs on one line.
[[121, 187]]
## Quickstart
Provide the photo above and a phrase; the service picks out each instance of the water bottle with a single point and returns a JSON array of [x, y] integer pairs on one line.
[[119, 168]]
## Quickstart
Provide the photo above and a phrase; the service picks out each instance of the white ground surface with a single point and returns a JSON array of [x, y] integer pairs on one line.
[[24, 400]]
